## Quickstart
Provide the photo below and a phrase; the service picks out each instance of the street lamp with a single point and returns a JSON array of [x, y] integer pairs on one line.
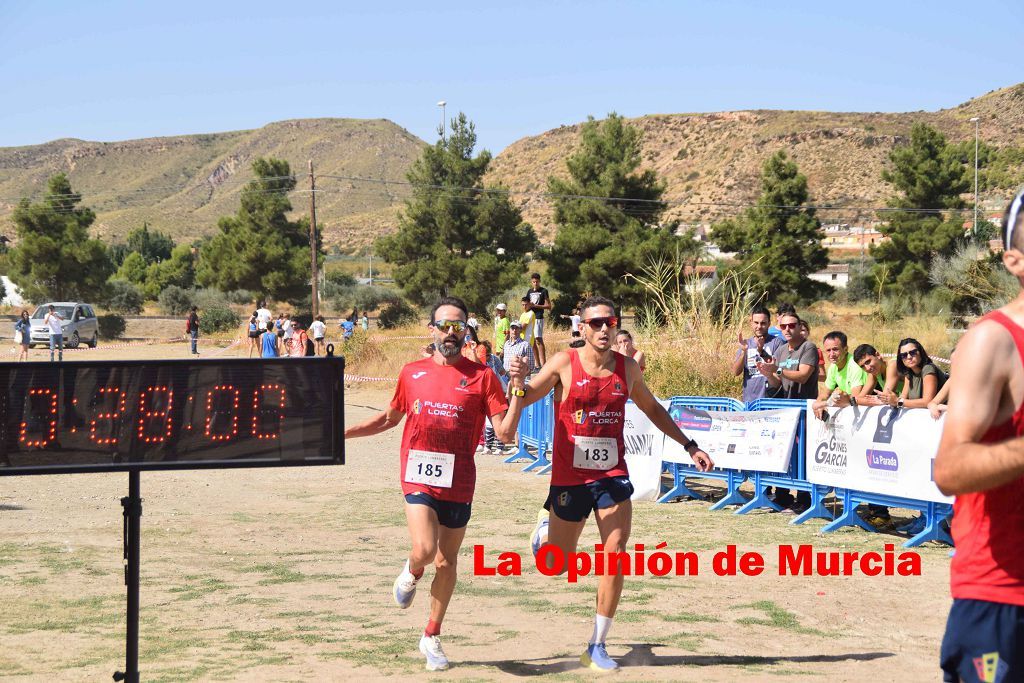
[[442, 104], [975, 121]]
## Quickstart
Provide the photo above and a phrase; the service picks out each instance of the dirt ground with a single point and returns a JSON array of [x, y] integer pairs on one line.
[[286, 574]]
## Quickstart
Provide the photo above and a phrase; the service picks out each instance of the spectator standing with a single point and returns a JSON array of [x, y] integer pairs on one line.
[[279, 324], [319, 330], [192, 329], [23, 334], [540, 301], [501, 322], [364, 322], [269, 347], [517, 347], [297, 342], [491, 442], [624, 345], [263, 315], [756, 348], [792, 372], [287, 331], [528, 323], [55, 323], [348, 326], [473, 322], [253, 332]]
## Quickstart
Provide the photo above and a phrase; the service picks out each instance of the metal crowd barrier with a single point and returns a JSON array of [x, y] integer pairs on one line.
[[536, 430]]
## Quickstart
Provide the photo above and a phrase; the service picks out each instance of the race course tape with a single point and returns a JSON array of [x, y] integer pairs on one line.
[[360, 378], [125, 345]]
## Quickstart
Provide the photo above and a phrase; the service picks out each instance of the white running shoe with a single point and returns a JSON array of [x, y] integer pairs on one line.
[[540, 532], [430, 646], [404, 589], [480, 448]]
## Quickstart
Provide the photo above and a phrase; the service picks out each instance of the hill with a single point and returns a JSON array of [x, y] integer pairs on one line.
[[711, 162], [182, 185]]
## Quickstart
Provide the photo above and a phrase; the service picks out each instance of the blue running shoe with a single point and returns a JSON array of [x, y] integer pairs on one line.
[[430, 646], [404, 589], [540, 532], [596, 657]]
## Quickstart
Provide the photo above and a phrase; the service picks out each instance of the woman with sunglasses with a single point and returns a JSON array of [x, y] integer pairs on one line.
[[922, 379]]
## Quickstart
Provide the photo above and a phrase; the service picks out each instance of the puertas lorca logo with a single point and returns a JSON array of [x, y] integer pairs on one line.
[[417, 375], [416, 407], [990, 668], [580, 416]]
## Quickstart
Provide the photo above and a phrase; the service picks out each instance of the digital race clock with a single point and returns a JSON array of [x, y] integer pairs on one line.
[[170, 414]]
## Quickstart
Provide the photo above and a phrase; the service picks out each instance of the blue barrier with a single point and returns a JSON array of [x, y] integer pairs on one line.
[[795, 477], [680, 472], [536, 430]]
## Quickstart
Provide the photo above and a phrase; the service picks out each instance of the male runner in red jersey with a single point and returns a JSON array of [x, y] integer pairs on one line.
[[592, 385], [447, 397], [981, 461]]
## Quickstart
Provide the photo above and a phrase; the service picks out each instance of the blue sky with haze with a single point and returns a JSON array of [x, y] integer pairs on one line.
[[121, 70]]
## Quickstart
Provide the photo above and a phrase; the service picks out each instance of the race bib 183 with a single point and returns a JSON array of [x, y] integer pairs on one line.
[[595, 453]]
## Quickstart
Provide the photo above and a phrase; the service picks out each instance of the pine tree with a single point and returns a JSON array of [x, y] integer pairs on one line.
[[777, 241], [457, 237]]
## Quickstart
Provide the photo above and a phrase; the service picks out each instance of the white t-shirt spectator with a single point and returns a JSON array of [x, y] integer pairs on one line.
[[318, 329], [53, 322], [262, 317], [574, 321], [286, 327]]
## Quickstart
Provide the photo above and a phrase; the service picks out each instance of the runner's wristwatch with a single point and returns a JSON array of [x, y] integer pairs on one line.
[[691, 442], [518, 392]]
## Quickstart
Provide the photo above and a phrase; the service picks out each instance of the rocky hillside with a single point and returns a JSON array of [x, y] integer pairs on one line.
[[182, 185], [711, 162]]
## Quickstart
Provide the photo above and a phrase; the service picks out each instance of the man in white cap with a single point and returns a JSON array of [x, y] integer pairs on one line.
[[517, 347], [500, 328]]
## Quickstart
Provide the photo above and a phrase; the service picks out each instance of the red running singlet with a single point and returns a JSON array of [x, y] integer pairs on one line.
[[588, 443], [445, 408], [988, 527]]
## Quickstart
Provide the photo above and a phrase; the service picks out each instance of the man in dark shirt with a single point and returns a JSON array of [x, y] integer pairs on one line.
[[792, 372], [539, 302]]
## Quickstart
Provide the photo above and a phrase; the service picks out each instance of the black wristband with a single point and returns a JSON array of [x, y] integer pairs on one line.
[[691, 442]]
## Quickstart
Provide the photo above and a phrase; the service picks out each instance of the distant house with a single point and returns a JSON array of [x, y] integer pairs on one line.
[[835, 274], [845, 236]]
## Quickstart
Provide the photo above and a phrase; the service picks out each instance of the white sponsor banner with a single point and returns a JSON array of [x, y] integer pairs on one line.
[[760, 440], [875, 449], [643, 452]]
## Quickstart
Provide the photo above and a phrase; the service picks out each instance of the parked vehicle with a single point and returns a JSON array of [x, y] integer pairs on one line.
[[79, 324]]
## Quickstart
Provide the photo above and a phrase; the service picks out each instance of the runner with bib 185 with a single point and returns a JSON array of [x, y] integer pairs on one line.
[[592, 385], [446, 398]]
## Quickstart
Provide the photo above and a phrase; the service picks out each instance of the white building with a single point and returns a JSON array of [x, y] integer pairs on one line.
[[835, 274]]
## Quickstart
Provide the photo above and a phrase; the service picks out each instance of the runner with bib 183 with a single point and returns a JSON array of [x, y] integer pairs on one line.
[[592, 385]]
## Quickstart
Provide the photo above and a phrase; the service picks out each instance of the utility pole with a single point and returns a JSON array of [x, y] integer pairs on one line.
[[312, 240], [974, 228]]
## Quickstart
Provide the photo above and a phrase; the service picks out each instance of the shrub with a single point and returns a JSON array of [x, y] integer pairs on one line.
[[396, 314], [111, 325], [241, 297], [175, 301], [124, 297], [364, 297], [218, 319]]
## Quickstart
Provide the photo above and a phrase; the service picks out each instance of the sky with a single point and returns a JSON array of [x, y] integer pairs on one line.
[[104, 70]]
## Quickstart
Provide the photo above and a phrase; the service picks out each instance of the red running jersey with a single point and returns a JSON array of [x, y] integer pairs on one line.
[[445, 408], [588, 443], [988, 527]]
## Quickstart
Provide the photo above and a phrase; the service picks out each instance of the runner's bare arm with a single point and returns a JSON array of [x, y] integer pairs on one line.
[[546, 378], [645, 401], [381, 422], [980, 385]]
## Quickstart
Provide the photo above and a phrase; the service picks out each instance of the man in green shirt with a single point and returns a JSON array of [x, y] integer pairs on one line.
[[501, 322], [844, 378]]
